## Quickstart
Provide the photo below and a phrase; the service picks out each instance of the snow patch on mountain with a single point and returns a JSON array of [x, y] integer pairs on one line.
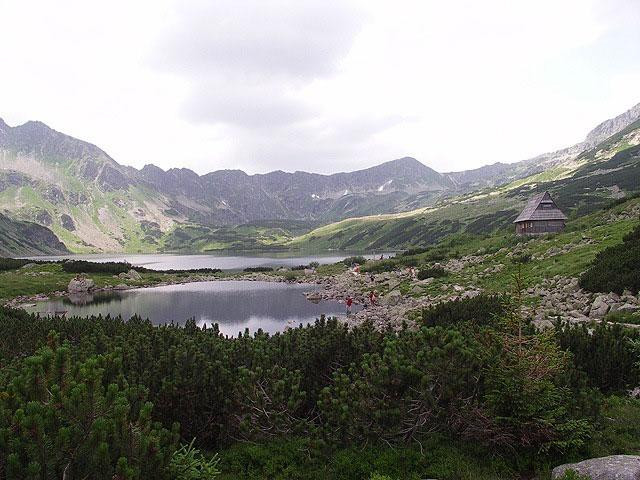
[[385, 184]]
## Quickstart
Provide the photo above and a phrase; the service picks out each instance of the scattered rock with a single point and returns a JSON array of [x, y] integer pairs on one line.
[[392, 298], [599, 307], [614, 467], [134, 275], [130, 275], [627, 308], [313, 296], [80, 285]]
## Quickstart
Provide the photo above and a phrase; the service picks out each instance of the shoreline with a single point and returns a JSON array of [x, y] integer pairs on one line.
[[400, 296], [390, 310]]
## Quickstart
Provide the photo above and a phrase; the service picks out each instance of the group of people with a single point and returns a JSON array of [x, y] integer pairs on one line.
[[373, 299], [373, 294]]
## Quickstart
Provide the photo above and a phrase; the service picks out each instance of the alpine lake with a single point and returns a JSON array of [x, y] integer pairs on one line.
[[234, 305]]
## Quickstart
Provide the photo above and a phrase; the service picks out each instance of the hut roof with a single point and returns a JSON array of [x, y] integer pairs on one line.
[[541, 207]]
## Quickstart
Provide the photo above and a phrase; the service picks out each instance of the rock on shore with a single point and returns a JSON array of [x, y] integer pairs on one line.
[[614, 467], [80, 285]]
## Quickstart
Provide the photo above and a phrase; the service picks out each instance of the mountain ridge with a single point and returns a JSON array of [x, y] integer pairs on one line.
[[93, 203], [494, 174]]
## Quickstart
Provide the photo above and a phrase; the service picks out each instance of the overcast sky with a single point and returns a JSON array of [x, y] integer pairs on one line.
[[320, 85]]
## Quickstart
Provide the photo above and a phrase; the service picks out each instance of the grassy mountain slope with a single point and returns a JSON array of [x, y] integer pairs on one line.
[[500, 173], [265, 235], [26, 238], [585, 184], [75, 189], [94, 204]]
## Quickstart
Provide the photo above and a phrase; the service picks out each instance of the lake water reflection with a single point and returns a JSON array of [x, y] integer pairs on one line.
[[234, 305]]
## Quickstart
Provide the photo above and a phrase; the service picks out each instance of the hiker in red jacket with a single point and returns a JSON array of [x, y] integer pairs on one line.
[[372, 297], [349, 302]]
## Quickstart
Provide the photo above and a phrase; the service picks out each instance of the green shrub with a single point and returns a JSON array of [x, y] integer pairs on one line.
[[522, 258], [322, 401], [415, 251], [616, 268], [113, 268], [189, 270], [15, 263], [379, 266], [290, 276], [116, 268], [431, 272], [604, 352], [618, 428], [407, 261], [78, 419], [377, 476], [188, 463], [360, 260], [478, 310], [258, 269], [623, 317], [436, 255]]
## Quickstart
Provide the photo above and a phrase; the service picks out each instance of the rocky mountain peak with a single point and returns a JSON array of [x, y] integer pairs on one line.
[[408, 165], [612, 126], [150, 168], [34, 126]]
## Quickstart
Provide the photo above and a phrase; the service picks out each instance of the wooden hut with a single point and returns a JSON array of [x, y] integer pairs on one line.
[[540, 216]]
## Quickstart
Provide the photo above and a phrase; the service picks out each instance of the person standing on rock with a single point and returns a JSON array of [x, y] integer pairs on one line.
[[349, 302], [372, 297]]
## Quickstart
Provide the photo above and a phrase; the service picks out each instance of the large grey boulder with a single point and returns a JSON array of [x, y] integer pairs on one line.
[[134, 275], [80, 285], [130, 275], [599, 307], [628, 308], [392, 298], [614, 467]]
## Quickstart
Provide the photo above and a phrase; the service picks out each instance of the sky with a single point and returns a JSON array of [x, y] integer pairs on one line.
[[319, 85]]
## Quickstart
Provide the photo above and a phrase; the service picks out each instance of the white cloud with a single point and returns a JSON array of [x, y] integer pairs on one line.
[[319, 85]]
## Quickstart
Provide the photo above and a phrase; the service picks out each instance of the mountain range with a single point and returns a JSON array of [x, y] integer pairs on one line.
[[91, 203]]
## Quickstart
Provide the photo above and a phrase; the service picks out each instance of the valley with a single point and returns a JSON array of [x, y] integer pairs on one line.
[[315, 240], [464, 303], [225, 303], [263, 339], [93, 204]]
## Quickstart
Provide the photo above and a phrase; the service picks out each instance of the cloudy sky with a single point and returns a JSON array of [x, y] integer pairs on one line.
[[319, 85]]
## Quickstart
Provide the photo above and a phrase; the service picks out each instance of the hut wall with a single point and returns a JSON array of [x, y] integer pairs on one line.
[[539, 227]]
